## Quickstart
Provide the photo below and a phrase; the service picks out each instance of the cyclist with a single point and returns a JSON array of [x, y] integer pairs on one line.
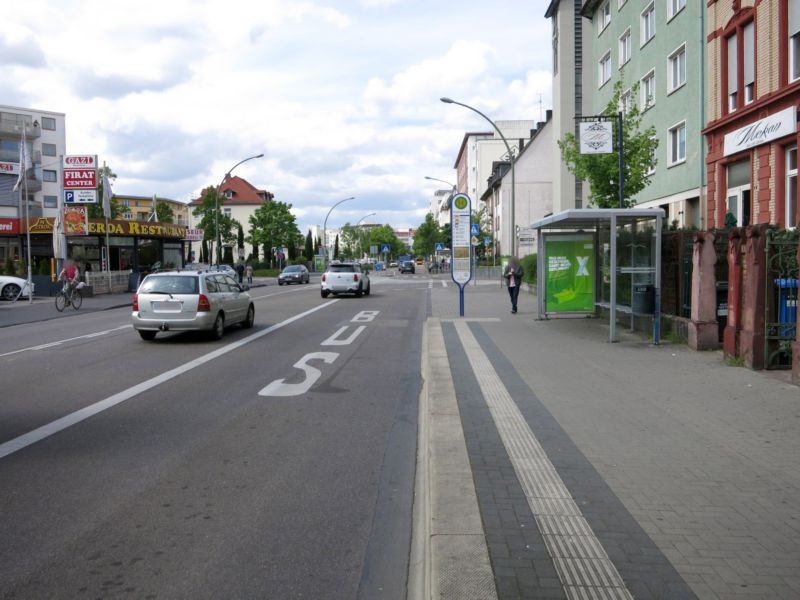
[[70, 274]]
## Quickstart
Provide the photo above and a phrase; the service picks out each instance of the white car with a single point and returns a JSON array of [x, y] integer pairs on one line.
[[344, 278], [10, 287]]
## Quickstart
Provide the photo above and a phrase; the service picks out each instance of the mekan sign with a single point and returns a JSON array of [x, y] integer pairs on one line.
[[762, 131]]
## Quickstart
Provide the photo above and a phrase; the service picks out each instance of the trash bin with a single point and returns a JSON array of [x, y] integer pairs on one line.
[[722, 308], [787, 305], [644, 299]]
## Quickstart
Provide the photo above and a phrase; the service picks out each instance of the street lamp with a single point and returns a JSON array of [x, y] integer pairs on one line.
[[510, 158], [325, 224], [452, 186], [216, 203], [360, 244]]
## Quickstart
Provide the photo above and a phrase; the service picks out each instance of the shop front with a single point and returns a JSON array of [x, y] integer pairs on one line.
[[752, 167], [132, 245]]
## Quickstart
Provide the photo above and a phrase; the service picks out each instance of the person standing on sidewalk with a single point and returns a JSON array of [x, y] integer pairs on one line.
[[248, 271], [513, 274]]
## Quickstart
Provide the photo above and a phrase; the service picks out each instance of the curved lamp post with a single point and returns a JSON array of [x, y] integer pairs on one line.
[[360, 243], [511, 160], [216, 203], [325, 224], [452, 185]]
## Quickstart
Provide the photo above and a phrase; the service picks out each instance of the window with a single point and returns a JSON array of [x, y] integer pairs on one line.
[[227, 212], [677, 68], [794, 40], [653, 158], [48, 175], [791, 187], [49, 149], [648, 90], [740, 49], [604, 17], [625, 48], [677, 144], [675, 6], [128, 216], [605, 69], [625, 102], [738, 193], [648, 24], [49, 123], [51, 201]]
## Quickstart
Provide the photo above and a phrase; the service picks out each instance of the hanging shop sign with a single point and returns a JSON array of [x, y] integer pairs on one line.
[[762, 131], [9, 168], [596, 137]]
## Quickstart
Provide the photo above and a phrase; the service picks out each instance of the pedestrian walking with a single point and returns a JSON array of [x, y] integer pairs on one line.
[[248, 271], [513, 274], [240, 271]]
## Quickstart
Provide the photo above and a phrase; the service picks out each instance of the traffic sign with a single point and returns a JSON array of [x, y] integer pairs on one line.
[[487, 241], [475, 229], [384, 248], [439, 246], [80, 196]]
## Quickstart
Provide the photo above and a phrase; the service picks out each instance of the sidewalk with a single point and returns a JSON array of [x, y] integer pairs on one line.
[[598, 469]]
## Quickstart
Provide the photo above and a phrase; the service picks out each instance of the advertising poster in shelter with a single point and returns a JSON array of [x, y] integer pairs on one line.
[[570, 273]]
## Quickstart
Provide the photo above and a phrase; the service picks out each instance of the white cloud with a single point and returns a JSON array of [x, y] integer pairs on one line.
[[342, 98]]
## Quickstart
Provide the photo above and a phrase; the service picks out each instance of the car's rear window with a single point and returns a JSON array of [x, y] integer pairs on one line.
[[292, 269], [170, 284], [341, 269]]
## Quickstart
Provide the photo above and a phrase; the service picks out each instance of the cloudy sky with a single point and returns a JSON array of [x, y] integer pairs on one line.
[[341, 96]]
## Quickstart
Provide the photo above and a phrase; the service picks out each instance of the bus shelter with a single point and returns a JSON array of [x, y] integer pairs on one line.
[[601, 258]]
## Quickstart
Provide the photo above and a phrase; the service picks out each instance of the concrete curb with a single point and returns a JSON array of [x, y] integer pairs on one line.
[[450, 558]]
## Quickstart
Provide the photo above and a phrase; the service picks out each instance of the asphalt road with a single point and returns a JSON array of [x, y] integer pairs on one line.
[[276, 463]]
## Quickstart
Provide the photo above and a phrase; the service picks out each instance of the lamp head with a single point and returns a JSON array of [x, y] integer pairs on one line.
[[446, 100]]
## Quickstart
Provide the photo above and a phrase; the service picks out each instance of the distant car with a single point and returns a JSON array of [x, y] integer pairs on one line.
[[294, 274], [10, 287], [223, 268], [190, 301], [344, 278], [407, 266], [393, 263]]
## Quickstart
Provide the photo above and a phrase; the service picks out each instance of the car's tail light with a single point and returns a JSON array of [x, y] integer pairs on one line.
[[355, 276], [203, 305], [323, 277], [136, 302]]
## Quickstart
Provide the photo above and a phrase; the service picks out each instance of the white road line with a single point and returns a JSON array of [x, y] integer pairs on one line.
[[59, 342], [69, 420], [581, 561]]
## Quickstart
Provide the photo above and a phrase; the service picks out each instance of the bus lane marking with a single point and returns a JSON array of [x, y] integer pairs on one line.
[[278, 387]]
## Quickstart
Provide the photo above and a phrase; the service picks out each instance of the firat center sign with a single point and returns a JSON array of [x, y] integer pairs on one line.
[[80, 172]]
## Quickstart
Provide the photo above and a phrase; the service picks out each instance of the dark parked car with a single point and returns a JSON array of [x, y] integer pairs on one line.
[[407, 266], [294, 274]]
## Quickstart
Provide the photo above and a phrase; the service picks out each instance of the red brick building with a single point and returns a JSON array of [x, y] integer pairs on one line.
[[754, 97]]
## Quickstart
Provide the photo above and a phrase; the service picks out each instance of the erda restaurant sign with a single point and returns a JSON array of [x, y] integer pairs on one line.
[[762, 131]]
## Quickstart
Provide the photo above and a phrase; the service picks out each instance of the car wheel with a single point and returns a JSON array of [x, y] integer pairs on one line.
[[368, 290], [358, 292], [10, 291], [219, 327], [147, 334], [250, 318], [280, 283], [324, 294]]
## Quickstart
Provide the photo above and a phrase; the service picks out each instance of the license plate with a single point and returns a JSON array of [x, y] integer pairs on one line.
[[168, 306]]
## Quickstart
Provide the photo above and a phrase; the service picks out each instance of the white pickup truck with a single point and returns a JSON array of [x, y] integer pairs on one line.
[[344, 278]]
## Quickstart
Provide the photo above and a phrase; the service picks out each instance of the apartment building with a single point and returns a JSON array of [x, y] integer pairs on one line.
[[754, 97], [142, 208], [46, 142], [571, 37], [660, 46], [241, 200]]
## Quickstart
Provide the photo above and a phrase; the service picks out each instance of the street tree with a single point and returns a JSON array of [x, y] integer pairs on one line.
[[602, 170], [164, 213], [209, 212], [426, 237], [273, 225], [384, 234], [309, 250]]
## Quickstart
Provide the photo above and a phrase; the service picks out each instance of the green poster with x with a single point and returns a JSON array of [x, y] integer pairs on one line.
[[569, 273]]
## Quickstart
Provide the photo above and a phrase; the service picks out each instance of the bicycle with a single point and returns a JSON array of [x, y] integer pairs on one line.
[[72, 298]]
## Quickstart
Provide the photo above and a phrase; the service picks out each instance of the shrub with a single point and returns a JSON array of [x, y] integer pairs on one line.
[[529, 266]]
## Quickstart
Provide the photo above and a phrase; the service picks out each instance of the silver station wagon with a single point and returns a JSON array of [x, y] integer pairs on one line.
[[190, 301]]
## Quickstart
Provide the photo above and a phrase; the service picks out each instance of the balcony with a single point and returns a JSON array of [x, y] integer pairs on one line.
[[14, 129]]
